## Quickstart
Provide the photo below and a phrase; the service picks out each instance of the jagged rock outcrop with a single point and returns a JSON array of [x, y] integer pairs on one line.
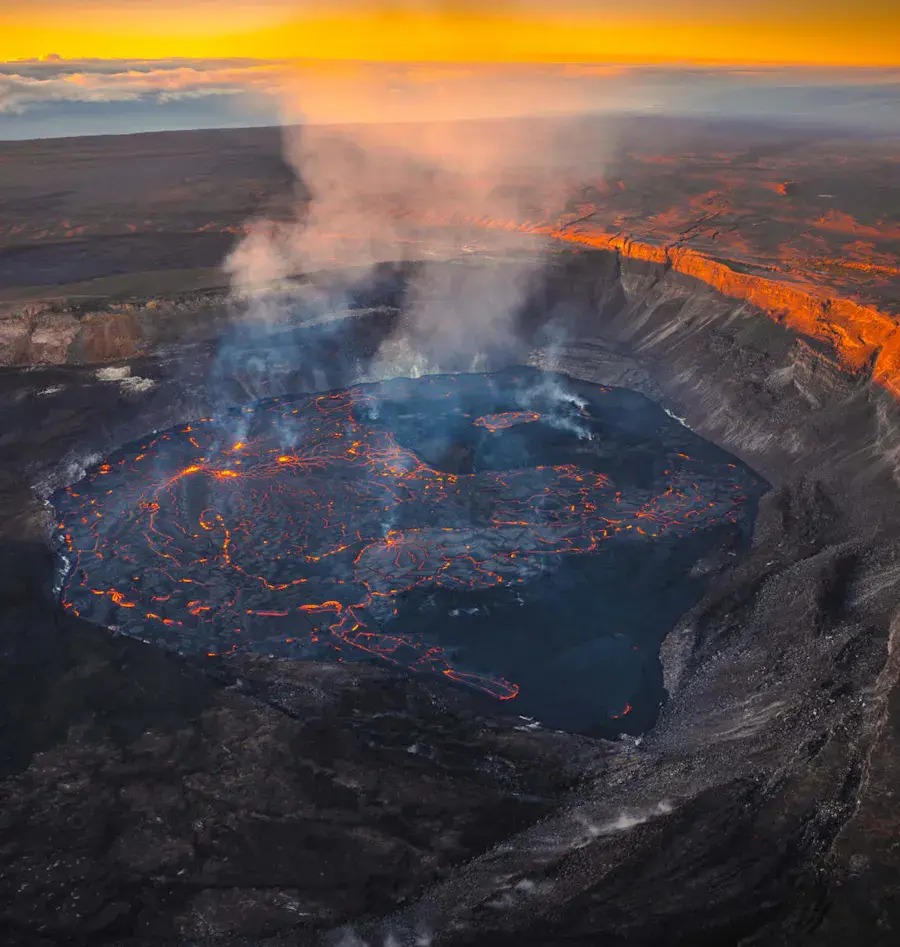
[[15, 331], [36, 335], [105, 337], [57, 333]]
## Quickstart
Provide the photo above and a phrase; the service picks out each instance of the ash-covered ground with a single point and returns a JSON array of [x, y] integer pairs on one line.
[[518, 533]]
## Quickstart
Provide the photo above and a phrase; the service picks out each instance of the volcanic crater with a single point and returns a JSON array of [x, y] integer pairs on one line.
[[472, 527]]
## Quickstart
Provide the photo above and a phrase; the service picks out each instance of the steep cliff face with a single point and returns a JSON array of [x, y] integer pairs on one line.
[[36, 335], [861, 334]]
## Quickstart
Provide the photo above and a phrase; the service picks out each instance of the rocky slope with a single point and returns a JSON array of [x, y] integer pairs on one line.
[[800, 638]]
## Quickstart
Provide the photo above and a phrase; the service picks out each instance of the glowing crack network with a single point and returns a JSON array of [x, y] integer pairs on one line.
[[307, 522]]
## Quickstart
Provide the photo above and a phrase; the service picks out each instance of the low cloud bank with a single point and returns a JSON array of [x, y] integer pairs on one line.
[[30, 84], [53, 96]]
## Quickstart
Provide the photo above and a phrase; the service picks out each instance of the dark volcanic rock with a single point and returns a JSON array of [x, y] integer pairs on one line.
[[148, 798]]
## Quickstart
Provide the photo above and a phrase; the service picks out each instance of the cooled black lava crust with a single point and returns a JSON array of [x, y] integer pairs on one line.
[[516, 532]]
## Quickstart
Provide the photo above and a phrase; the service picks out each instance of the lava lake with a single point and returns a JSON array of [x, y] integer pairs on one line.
[[519, 533]]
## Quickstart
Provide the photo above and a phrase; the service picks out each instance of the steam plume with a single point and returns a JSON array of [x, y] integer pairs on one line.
[[401, 191]]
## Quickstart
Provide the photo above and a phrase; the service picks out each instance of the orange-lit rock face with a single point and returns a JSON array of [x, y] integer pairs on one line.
[[809, 234], [823, 216]]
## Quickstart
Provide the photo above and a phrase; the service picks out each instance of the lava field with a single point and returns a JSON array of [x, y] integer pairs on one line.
[[515, 532]]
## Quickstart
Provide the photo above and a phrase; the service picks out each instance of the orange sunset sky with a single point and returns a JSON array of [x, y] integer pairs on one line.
[[824, 32]]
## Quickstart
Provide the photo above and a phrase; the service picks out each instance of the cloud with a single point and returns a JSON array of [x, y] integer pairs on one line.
[[29, 84], [53, 96], [52, 66], [321, 92], [315, 91]]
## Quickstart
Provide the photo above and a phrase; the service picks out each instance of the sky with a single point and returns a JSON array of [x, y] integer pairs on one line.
[[70, 67], [864, 32]]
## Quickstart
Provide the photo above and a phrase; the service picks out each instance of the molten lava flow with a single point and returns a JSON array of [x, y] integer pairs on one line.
[[314, 527]]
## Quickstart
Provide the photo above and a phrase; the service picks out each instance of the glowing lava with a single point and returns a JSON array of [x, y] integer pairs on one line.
[[315, 527]]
